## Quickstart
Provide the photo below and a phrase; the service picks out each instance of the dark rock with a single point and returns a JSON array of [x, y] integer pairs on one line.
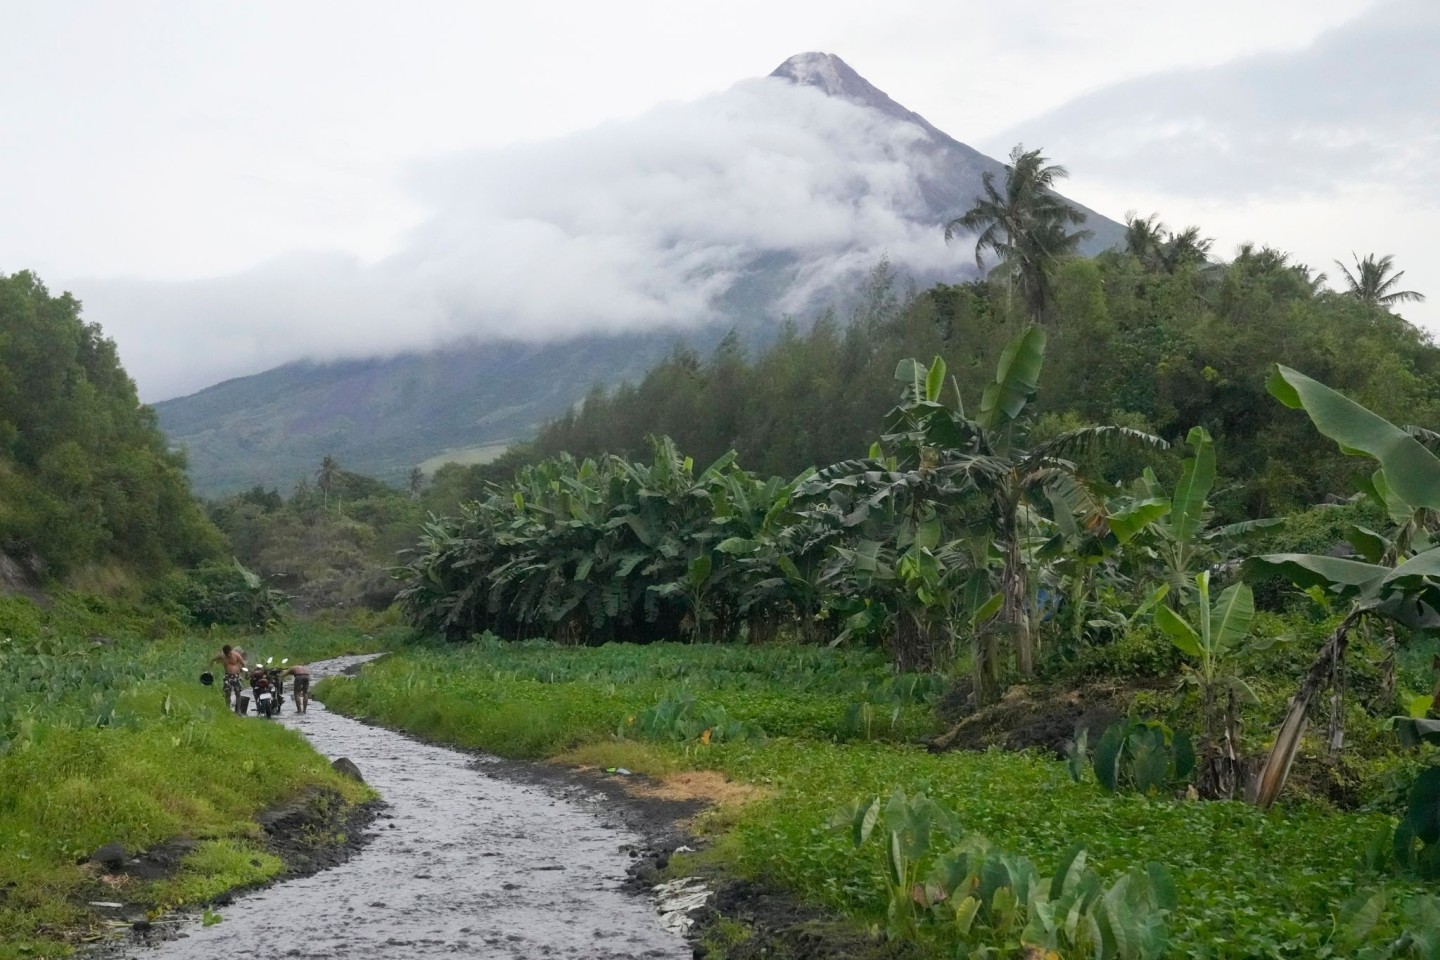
[[111, 855], [140, 926], [346, 766]]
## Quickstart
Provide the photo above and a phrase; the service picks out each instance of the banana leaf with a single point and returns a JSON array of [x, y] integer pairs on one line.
[[1413, 471]]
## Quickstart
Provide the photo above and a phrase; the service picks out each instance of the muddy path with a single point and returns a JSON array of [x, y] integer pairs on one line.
[[461, 864]]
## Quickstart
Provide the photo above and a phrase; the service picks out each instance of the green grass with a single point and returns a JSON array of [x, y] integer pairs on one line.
[[1251, 883], [215, 866], [118, 742]]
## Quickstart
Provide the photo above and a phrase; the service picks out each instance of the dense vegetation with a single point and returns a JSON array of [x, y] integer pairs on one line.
[[1155, 343], [1013, 534], [815, 729], [86, 478]]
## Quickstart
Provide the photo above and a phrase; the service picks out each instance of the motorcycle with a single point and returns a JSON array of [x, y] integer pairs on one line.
[[277, 682], [263, 688]]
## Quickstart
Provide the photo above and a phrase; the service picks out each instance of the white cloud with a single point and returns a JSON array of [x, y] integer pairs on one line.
[[632, 224]]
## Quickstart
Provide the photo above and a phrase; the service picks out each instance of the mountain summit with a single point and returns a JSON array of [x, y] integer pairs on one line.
[[562, 264], [834, 76]]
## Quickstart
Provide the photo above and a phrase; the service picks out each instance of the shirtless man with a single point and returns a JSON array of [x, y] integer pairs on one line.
[[302, 685], [233, 661]]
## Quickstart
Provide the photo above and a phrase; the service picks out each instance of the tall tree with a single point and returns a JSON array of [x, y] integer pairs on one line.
[[1144, 237], [1025, 225], [327, 477], [1375, 284]]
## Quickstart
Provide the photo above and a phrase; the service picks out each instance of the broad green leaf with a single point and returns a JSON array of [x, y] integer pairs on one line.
[[987, 609], [700, 570], [738, 546], [1412, 471], [965, 911], [1179, 631], [1197, 476], [1231, 616], [1162, 886], [865, 823], [1370, 545], [935, 380], [1125, 524], [1068, 871], [1414, 731], [1156, 595], [1346, 577], [1107, 757], [1417, 706], [911, 373], [1016, 378]]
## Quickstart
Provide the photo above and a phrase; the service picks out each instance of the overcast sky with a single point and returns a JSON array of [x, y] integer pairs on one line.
[[229, 186]]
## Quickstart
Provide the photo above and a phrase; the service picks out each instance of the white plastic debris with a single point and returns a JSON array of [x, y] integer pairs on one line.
[[677, 899]]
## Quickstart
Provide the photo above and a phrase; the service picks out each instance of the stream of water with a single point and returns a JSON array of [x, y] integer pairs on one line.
[[463, 865]]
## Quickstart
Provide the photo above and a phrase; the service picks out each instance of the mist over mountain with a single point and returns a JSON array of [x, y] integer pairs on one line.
[[589, 254]]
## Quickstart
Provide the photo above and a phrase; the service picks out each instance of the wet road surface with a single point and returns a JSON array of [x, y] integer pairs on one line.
[[466, 865]]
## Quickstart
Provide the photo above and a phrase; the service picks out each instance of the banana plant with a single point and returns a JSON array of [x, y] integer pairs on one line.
[[1408, 592], [931, 451], [1181, 537], [1210, 639]]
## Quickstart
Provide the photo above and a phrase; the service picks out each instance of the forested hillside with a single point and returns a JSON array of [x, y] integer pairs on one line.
[[86, 477], [1141, 337]]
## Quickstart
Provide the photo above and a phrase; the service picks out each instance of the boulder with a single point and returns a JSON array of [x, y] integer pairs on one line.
[[111, 856], [346, 766]]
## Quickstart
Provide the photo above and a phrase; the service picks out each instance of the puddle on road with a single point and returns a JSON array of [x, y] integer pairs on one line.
[[462, 864]]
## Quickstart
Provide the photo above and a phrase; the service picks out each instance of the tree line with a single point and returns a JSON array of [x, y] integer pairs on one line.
[[86, 476]]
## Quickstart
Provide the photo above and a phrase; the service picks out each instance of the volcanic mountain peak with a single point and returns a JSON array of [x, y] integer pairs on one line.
[[834, 76]]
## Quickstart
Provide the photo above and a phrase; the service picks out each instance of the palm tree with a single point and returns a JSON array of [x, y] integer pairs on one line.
[[1144, 237], [417, 482], [327, 477], [1373, 283], [1184, 248], [1025, 226]]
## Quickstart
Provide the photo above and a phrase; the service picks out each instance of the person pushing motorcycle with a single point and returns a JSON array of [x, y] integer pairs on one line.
[[302, 685], [233, 660]]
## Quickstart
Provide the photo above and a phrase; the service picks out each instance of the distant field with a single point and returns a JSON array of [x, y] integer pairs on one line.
[[465, 456]]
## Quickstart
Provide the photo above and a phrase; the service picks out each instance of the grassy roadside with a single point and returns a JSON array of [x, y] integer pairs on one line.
[[1248, 883], [106, 736]]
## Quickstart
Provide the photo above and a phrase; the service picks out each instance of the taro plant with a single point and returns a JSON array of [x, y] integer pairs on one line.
[[945, 887], [1371, 925], [1210, 639], [682, 717], [1142, 755], [1417, 836]]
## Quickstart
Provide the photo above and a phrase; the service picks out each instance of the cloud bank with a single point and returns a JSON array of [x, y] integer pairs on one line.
[[1359, 105], [638, 223]]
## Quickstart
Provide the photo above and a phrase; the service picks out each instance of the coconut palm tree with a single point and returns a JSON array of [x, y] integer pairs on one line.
[[1373, 283], [1144, 237], [1184, 248], [1025, 226]]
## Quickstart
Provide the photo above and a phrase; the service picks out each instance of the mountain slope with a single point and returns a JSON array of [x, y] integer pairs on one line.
[[859, 177]]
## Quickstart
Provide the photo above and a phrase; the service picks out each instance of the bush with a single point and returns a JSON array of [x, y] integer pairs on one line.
[[1143, 651]]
